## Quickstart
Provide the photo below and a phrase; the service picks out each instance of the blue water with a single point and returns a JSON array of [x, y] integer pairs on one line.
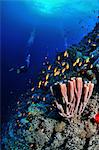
[[58, 24]]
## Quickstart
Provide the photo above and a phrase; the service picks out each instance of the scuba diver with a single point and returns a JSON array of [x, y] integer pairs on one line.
[[24, 68]]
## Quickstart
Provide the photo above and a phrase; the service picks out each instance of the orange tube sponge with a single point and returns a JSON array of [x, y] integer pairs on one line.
[[74, 97]]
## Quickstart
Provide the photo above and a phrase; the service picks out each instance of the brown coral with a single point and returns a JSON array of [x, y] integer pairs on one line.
[[74, 96]]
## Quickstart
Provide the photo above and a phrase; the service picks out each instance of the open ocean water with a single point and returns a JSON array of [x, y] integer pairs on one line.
[[33, 30]]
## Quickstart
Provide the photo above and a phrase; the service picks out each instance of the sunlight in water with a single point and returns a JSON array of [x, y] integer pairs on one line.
[[63, 6], [48, 6]]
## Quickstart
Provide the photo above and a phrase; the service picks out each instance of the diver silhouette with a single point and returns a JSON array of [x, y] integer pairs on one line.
[[24, 68]]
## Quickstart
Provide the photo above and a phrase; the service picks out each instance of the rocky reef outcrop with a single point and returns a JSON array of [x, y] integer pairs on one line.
[[36, 123]]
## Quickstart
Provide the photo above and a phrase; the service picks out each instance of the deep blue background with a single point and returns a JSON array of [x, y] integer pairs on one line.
[[18, 20]]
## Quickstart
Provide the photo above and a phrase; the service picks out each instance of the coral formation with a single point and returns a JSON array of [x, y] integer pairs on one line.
[[35, 123], [75, 96], [43, 132]]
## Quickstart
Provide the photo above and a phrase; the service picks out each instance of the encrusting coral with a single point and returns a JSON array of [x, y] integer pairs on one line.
[[74, 96]]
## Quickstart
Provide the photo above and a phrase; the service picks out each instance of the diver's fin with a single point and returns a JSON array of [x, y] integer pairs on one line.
[[11, 69], [18, 71]]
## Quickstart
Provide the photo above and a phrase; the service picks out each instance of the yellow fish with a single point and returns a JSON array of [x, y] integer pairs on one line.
[[45, 83], [56, 73], [63, 70], [55, 70], [58, 57], [47, 76], [67, 66], [65, 54], [93, 44], [91, 66], [80, 63], [29, 113], [85, 65], [89, 41], [77, 60], [40, 82], [49, 67], [87, 60], [65, 77], [63, 64], [74, 64]]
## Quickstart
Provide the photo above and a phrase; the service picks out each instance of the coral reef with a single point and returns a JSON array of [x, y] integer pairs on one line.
[[78, 60], [45, 133], [36, 124]]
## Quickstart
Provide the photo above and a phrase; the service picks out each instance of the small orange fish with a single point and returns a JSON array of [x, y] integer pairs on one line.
[[91, 66], [40, 82], [32, 89], [55, 70], [65, 54], [87, 60], [63, 64], [80, 63], [57, 73], [47, 76], [67, 66], [77, 61], [58, 58], [49, 67], [45, 83], [74, 64], [63, 70], [85, 65], [64, 76]]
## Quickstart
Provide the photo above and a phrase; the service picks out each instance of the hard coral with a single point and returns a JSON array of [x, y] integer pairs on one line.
[[72, 98]]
